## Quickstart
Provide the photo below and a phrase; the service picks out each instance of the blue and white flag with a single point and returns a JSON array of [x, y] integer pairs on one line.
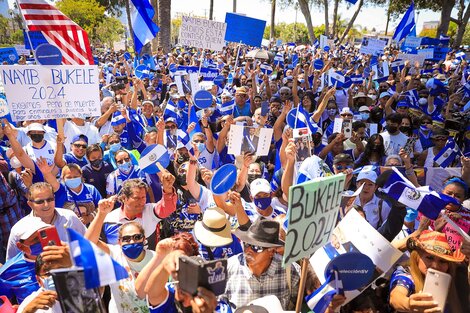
[[99, 268], [407, 24], [423, 199], [142, 25], [303, 120], [397, 65], [321, 298], [227, 108], [279, 59], [171, 111], [193, 118], [184, 139], [266, 69], [413, 97], [357, 79], [447, 155], [460, 55], [435, 87]]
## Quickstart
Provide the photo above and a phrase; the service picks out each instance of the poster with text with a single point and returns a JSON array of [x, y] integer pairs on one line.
[[202, 33]]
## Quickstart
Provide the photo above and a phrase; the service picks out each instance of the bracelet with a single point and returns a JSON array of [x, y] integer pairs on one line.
[[193, 162]]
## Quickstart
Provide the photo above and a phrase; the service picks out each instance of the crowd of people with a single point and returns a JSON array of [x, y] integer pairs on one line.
[[84, 174]]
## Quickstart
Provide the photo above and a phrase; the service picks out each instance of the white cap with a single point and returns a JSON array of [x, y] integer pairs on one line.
[[367, 174], [34, 224], [345, 110], [364, 109], [36, 127], [260, 185]]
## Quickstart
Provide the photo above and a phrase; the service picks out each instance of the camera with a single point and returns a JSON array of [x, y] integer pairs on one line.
[[196, 272]]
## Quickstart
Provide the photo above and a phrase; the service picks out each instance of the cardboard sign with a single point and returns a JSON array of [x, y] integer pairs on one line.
[[372, 46], [202, 33], [51, 92], [8, 55], [323, 41], [244, 139], [224, 179], [312, 214], [21, 50], [207, 73], [412, 42], [428, 53], [244, 29], [412, 58]]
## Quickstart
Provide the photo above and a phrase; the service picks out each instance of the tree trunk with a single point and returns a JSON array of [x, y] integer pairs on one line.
[[327, 24], [234, 6], [335, 19], [273, 16], [351, 22], [304, 8], [461, 30], [388, 17], [211, 10], [447, 6], [164, 18], [155, 42], [129, 23]]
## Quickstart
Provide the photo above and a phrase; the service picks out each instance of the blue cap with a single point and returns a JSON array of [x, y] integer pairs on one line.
[[118, 120], [80, 137], [403, 103]]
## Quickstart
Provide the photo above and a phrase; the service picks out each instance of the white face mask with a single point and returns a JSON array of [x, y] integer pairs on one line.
[[373, 97], [423, 101]]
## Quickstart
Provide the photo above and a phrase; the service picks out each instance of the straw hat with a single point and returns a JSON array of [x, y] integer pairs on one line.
[[214, 229], [435, 243]]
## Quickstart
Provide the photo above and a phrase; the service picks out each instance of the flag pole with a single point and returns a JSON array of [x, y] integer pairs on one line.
[[26, 29], [303, 278]]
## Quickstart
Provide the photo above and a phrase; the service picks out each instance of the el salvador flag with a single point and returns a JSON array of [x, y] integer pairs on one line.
[[321, 298], [100, 269], [183, 138], [279, 59], [357, 79], [170, 110], [447, 155], [142, 25], [423, 199], [407, 24], [227, 108]]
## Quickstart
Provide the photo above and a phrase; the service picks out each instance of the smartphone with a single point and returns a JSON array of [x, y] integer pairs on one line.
[[347, 129], [194, 272], [437, 283], [49, 237]]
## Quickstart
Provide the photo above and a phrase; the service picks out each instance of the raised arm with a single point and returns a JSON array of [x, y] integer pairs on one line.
[[319, 111], [191, 182], [46, 171], [288, 175], [93, 232], [11, 133]]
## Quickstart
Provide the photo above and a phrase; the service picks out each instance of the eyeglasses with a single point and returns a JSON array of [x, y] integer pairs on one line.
[[341, 167], [135, 237], [170, 127], [198, 141], [344, 115], [77, 145], [254, 248], [284, 93], [41, 201], [123, 160], [114, 142]]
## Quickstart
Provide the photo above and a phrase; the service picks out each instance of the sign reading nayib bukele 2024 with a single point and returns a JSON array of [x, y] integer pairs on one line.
[[49, 92]]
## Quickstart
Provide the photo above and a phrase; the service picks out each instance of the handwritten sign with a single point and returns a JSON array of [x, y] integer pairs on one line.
[[201, 33], [372, 46], [428, 53], [50, 92], [313, 210]]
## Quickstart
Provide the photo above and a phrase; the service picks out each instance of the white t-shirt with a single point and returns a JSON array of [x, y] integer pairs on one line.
[[71, 130], [206, 200], [206, 158], [54, 309], [123, 294], [46, 151], [393, 143]]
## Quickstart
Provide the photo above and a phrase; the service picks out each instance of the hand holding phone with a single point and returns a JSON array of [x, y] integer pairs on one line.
[[437, 284], [49, 237]]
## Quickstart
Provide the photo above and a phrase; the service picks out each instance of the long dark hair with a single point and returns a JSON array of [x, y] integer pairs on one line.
[[365, 157], [311, 96]]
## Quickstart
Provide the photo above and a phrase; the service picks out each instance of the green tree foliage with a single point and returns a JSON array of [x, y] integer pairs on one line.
[[108, 31], [466, 36], [293, 32], [89, 14]]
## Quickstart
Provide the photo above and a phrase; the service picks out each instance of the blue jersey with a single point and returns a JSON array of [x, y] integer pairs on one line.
[[117, 178], [222, 252], [70, 158], [88, 198], [169, 305], [18, 278]]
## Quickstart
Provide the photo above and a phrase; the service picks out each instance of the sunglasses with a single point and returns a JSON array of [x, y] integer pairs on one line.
[[341, 167], [123, 161], [113, 142], [198, 141], [77, 145], [135, 237], [440, 138], [41, 201], [170, 127], [284, 93], [254, 248]]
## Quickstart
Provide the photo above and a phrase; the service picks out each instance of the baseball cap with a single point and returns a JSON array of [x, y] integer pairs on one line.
[[402, 103], [346, 111], [384, 94], [367, 174], [364, 109], [342, 157], [118, 120], [80, 137], [31, 227], [260, 185]]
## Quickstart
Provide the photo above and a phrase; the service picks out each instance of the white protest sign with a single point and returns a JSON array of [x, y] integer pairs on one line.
[[313, 211], [50, 92], [4, 110], [323, 41], [412, 42], [412, 58], [245, 139], [372, 46], [427, 53], [201, 33], [21, 50]]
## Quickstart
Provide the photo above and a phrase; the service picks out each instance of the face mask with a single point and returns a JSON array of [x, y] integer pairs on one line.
[[181, 179], [35, 249], [252, 177], [73, 182], [262, 203], [48, 283], [316, 140], [364, 116], [15, 163], [331, 112], [201, 147], [110, 68], [37, 138], [182, 158], [115, 147], [96, 163], [126, 167], [423, 128], [405, 129], [373, 97], [423, 101], [133, 250], [391, 129]]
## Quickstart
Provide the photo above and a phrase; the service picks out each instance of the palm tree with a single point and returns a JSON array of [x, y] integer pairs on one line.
[[164, 22], [273, 15], [305, 9]]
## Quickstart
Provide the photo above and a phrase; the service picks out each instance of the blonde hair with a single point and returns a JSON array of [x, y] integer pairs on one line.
[[418, 277]]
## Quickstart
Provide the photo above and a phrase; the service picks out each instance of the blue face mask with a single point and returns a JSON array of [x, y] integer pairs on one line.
[[35, 249], [133, 250], [262, 203], [73, 182], [115, 147], [48, 283], [126, 167], [201, 147], [364, 116], [331, 112]]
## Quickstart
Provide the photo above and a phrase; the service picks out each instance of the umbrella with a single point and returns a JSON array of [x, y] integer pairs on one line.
[[298, 48], [258, 54]]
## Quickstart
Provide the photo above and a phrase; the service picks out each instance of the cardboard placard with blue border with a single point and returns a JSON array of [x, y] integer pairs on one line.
[[224, 179], [152, 155]]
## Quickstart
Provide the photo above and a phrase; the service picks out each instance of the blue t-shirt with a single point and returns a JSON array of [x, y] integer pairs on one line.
[[88, 197], [222, 252], [244, 111], [169, 305], [70, 158], [97, 178], [18, 278]]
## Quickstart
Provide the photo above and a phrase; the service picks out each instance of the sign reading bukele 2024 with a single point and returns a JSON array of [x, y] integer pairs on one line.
[[49, 92]]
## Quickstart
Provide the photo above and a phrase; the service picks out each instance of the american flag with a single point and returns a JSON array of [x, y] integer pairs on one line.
[[59, 30]]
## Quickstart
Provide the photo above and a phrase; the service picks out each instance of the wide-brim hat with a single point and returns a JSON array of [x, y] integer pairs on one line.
[[435, 243], [214, 229], [263, 233]]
